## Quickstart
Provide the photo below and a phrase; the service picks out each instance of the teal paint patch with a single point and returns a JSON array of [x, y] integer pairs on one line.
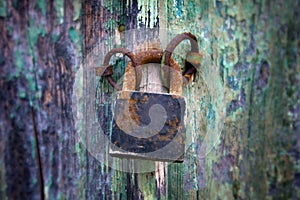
[[33, 147], [15, 3], [179, 6], [3, 8], [75, 36], [18, 62], [22, 94], [32, 34], [191, 14], [111, 6], [211, 116], [31, 82], [77, 148], [219, 8], [59, 5], [9, 30], [54, 37], [202, 102], [41, 4], [43, 32]]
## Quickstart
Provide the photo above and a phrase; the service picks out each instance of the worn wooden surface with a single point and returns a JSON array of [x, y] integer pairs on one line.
[[254, 47]]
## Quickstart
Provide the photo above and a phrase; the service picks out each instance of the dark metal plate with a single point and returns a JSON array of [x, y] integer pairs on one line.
[[148, 126]]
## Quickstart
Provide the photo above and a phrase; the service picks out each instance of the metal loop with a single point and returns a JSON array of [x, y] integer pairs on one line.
[[124, 51], [153, 56], [187, 74], [107, 58], [174, 43]]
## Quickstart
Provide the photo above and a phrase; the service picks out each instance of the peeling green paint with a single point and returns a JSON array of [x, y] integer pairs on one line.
[[148, 7], [111, 24], [22, 94], [3, 8], [32, 34], [41, 4], [18, 62], [75, 37], [9, 30], [31, 82], [147, 186], [59, 6], [178, 5]]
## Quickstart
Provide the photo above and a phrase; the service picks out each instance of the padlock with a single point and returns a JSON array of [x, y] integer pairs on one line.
[[149, 125]]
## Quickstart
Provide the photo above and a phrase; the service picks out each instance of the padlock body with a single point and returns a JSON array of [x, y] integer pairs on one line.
[[148, 126]]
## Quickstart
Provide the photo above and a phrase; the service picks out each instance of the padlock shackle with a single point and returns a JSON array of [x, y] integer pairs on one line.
[[124, 51], [176, 41], [190, 67], [132, 76], [155, 56], [106, 69]]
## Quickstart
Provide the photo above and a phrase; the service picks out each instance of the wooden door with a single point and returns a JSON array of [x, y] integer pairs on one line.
[[249, 80]]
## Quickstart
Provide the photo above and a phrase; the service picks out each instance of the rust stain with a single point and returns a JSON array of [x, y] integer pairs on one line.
[[133, 114]]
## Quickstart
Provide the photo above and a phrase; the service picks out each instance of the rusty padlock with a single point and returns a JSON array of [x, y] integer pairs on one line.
[[150, 125]]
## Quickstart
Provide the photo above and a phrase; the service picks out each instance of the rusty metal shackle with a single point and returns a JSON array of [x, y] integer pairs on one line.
[[192, 60], [152, 56], [106, 69], [124, 51], [191, 69]]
